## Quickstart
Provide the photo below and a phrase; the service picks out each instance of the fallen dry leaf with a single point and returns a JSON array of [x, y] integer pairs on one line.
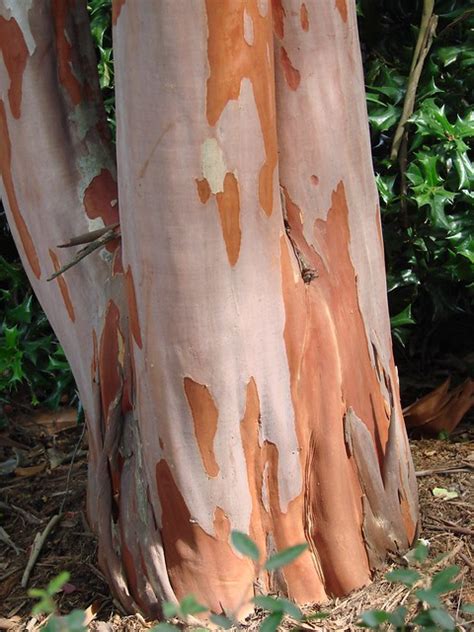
[[91, 611], [442, 409], [9, 624], [443, 493], [34, 470], [51, 422]]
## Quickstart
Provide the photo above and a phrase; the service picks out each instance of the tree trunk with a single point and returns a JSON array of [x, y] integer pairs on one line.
[[232, 350]]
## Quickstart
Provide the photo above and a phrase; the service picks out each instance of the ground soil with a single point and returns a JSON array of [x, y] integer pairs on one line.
[[48, 456]]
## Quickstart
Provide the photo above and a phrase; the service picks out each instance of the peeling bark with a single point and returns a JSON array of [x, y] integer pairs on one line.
[[232, 350]]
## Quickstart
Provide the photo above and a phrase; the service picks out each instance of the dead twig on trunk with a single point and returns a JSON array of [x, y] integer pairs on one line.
[[100, 238]]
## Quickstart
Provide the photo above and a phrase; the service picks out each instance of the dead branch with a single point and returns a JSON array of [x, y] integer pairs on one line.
[[38, 544]]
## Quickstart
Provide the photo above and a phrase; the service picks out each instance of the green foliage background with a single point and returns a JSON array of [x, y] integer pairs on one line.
[[428, 228]]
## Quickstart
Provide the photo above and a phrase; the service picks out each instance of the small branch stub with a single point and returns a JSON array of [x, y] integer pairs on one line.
[[94, 240]]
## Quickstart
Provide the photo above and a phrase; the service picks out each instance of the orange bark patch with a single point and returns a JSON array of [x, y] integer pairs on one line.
[[99, 197], [63, 286], [279, 15], [117, 262], [205, 415], [203, 189], [228, 203], [116, 8], [410, 526], [127, 391], [254, 458], [15, 54], [5, 171], [341, 6], [110, 366], [302, 578], [129, 567], [198, 562], [60, 10], [230, 61], [133, 308], [100, 200], [292, 75], [330, 370], [304, 18]]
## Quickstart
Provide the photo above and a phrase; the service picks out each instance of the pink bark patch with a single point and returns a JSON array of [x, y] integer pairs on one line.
[[5, 171], [15, 54]]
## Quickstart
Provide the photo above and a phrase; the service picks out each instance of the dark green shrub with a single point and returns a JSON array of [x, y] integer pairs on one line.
[[30, 355], [427, 202]]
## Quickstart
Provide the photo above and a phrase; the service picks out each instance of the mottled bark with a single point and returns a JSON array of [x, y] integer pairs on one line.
[[236, 368]]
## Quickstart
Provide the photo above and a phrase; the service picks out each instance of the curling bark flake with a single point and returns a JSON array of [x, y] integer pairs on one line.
[[236, 367]]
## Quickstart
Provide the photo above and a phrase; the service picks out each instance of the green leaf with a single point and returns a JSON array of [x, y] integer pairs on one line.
[[278, 604], [75, 621], [449, 54], [316, 616], [397, 617], [22, 312], [442, 619], [38, 593], [403, 318], [382, 119], [58, 582], [222, 621], [429, 596], [441, 581], [385, 186], [464, 169], [244, 545], [373, 619], [190, 606], [271, 623], [170, 610], [165, 627], [445, 494], [285, 557], [406, 576], [421, 551]]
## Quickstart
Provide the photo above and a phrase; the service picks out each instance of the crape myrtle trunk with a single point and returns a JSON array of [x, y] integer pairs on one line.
[[232, 349]]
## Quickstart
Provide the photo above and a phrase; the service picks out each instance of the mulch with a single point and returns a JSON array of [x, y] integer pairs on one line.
[[47, 458]]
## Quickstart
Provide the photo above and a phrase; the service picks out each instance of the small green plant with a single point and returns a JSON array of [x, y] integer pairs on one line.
[[29, 352], [73, 622], [424, 592], [277, 608]]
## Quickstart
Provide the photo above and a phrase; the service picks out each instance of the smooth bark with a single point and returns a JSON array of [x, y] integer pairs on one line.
[[233, 350]]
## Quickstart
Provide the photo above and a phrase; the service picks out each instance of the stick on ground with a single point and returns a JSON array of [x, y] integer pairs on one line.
[[38, 544]]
